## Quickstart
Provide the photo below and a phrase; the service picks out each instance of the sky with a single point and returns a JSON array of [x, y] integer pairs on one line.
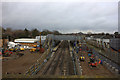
[[66, 17]]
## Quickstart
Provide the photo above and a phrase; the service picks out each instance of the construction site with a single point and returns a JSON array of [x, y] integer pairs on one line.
[[57, 57], [57, 39]]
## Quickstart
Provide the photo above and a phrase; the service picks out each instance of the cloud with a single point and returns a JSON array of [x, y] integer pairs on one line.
[[65, 17]]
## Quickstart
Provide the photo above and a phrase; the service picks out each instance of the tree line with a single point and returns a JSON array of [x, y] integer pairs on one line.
[[11, 34]]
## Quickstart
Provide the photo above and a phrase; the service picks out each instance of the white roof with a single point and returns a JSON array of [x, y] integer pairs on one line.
[[106, 40], [26, 40], [42, 37]]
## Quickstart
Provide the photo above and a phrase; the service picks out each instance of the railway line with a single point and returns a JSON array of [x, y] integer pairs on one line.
[[64, 61], [60, 63]]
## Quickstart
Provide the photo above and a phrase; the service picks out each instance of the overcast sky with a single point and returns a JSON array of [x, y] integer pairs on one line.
[[64, 17]]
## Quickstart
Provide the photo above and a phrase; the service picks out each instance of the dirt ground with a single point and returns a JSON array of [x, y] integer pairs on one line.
[[100, 70], [21, 64]]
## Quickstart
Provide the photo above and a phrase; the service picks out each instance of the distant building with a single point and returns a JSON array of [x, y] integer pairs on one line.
[[105, 39], [26, 41], [115, 44], [29, 41], [43, 38], [89, 38], [101, 40]]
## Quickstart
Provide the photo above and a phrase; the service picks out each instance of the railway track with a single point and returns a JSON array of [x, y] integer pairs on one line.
[[63, 63], [60, 63], [65, 69]]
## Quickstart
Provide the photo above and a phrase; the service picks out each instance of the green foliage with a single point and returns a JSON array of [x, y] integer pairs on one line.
[[35, 32], [14, 34], [26, 32], [116, 33]]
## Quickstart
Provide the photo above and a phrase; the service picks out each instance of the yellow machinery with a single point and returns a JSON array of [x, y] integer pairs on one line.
[[34, 45], [82, 58], [11, 49], [33, 49], [22, 49]]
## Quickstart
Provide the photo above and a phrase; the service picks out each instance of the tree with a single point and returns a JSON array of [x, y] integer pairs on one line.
[[35, 33], [26, 32], [45, 32], [107, 33], [116, 33], [8, 34], [103, 33], [56, 32]]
